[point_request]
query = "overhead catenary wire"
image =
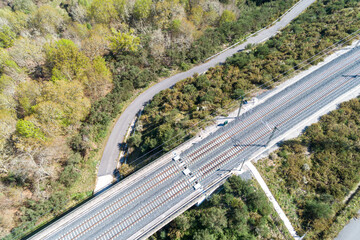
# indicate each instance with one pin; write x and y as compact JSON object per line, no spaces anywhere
{"x":330,"y":48}
{"x":265,"y":85}
{"x":208,"y":168}
{"x":204,"y":120}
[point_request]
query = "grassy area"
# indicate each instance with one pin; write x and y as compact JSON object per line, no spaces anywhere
{"x":310,"y":176}
{"x":276,"y":223}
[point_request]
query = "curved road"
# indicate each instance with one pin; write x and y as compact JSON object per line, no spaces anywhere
{"x":141,"y":203}
{"x":111,"y":153}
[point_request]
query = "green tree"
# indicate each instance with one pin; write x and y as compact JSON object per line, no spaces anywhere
{"x":175,"y":26}
{"x":204,"y":234}
{"x":70,"y":173}
{"x":317,"y":210}
{"x":103,"y":11}
{"x":262,"y":51}
{"x":27,"y":6}
{"x":47,"y":20}
{"x":238,"y":93}
{"x":125,"y":169}
{"x":227,"y":16}
{"x":17,"y":21}
{"x":60,"y":107}
{"x":74,"y":106}
{"x":166,"y":11}
{"x":120,"y":6}
{"x":214,"y":219}
{"x":7,"y":37}
{"x":134,"y":140}
{"x":48,"y":115}
{"x":27,"y":129}
{"x":197,"y":15}
{"x":182,"y":222}
{"x":142,"y":9}
{"x":238,"y":60}
{"x":26,"y":94}
{"x":99,"y":79}
{"x":121,"y":42}
{"x":65,"y":61}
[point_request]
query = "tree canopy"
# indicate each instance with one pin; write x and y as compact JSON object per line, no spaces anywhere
{"x":126,"y":41}
{"x":226,"y":216}
{"x":66,"y":61}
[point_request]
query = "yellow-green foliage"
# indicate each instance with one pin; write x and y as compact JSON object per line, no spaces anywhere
{"x":7,"y":65}
{"x":166,"y":12}
{"x":62,"y":104}
{"x":66,"y":61}
{"x":7,"y":126}
{"x":227,"y":16}
{"x":142,"y":9}
{"x":98,"y":80}
{"x":28,"y":129}
{"x":47,"y":20}
{"x":197,"y":15}
{"x":100,"y":68}
{"x":120,"y":6}
{"x":125,"y":41}
{"x":16,"y":20}
{"x":7,"y":37}
{"x":103,"y":11}
{"x":27,"y":94}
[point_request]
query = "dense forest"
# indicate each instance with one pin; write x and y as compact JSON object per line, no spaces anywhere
{"x":170,"y":117}
{"x":67,"y":68}
{"x":240,"y":210}
{"x":312,"y":176}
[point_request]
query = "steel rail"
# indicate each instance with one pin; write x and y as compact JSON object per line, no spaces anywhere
{"x":210,"y":147}
{"x":228,"y":137}
{"x":148,"y":212}
{"x":221,"y":162}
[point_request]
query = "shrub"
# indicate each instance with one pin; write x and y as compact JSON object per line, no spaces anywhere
{"x":27,"y":129}
{"x":7,"y":37}
{"x":316,"y":210}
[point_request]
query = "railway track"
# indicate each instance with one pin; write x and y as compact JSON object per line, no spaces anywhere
{"x":240,"y":126}
{"x":137,"y":204}
{"x":259,"y":136}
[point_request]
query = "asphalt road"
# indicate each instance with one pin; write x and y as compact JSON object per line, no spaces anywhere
{"x":351,"y":231}
{"x":133,"y":207}
{"x":111,"y":152}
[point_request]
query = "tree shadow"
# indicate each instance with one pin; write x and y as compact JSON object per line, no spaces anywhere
{"x":121,"y":146}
